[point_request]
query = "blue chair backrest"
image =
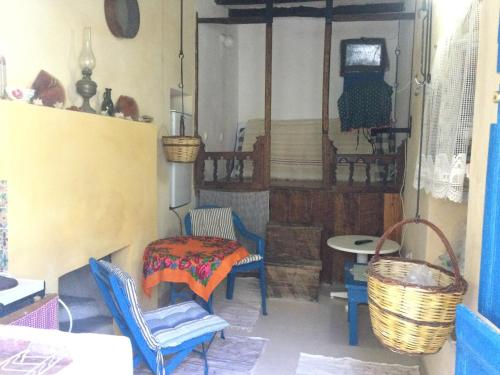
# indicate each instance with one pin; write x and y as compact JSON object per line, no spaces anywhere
{"x":117,"y":302}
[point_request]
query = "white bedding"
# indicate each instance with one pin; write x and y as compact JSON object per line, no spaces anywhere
{"x":55,"y":352}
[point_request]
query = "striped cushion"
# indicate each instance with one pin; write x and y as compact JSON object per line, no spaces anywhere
{"x":213,"y":222}
{"x":249,"y":259}
{"x":169,"y":326}
{"x":173,"y":325}
{"x":128,"y":286}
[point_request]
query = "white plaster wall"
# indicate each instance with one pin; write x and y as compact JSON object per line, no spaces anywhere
{"x":218,"y":80}
{"x":298,"y":65}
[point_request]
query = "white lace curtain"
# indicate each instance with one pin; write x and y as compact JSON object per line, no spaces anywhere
{"x":449,"y":107}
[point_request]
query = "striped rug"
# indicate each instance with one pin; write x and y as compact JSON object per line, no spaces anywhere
{"x":320,"y":365}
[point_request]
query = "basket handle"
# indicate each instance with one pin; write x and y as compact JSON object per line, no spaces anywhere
{"x":453,"y":258}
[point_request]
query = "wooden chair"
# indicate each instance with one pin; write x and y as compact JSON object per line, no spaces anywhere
{"x":254,"y":262}
{"x":173,"y":331}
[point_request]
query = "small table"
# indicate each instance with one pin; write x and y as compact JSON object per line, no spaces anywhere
{"x":347,"y":244}
{"x":200,"y":262}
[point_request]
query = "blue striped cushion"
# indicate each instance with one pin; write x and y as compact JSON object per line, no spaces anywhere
{"x":249,"y":259}
{"x":169,"y":326}
{"x":213,"y":222}
{"x":173,"y":325}
{"x":128,"y":286}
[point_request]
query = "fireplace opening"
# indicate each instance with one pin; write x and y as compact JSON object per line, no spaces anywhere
{"x":79,"y":291}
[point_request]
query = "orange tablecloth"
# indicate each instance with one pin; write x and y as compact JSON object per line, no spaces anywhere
{"x":200,"y":262}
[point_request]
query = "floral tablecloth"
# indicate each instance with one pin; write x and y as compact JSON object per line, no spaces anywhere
{"x":200,"y":262}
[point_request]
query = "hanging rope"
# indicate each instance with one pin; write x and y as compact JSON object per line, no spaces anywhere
{"x":182,"y":127}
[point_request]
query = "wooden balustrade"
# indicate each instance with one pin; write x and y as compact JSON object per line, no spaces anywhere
{"x":231,"y":170}
{"x":384,"y":171}
{"x":247,"y":170}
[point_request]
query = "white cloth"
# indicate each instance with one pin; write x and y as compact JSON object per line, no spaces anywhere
{"x":296,"y":148}
{"x":72,"y":353}
{"x":449,"y":106}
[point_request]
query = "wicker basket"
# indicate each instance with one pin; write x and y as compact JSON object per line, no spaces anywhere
{"x":409,"y":318}
{"x":181,"y":149}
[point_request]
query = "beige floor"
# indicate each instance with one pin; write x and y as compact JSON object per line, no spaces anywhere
{"x":294,"y":326}
{"x":315,"y":328}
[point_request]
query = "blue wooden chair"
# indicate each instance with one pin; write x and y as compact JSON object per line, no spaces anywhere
{"x":254,"y":262}
{"x":174,"y":331}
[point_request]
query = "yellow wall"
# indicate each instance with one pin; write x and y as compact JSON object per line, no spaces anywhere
{"x":47,"y":35}
{"x":448,"y":215}
{"x":79,"y":185}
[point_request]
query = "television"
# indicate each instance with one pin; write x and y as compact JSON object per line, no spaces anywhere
{"x":363,"y":55}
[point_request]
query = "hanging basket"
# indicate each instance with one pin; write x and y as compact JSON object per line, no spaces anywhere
{"x":180,"y":149}
{"x":409,"y":318}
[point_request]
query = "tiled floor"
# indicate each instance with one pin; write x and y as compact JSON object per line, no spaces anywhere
{"x":321,"y":328}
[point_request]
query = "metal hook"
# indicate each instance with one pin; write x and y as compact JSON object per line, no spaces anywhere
{"x":420,"y":82}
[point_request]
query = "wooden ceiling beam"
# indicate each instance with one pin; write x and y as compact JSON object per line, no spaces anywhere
{"x":233,"y":20}
{"x":303,"y":11}
{"x":259,"y":2}
{"x":394,"y":16}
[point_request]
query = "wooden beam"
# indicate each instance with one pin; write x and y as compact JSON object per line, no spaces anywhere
{"x":327,"y":53}
{"x":267,"y":104}
{"x":374,"y":17}
{"x":336,"y":18}
{"x":302,"y":11}
{"x":259,"y":2}
{"x":233,"y":20}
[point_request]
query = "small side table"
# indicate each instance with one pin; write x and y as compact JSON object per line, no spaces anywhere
{"x":347,"y":244}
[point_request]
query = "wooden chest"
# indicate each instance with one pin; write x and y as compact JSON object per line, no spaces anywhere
{"x":293,"y":280}
{"x":293,"y":242}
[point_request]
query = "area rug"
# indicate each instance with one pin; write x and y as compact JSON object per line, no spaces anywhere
{"x":235,"y":355}
{"x":319,"y":365}
{"x":243,"y":311}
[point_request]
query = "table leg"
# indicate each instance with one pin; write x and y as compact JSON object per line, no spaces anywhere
{"x":362,"y":258}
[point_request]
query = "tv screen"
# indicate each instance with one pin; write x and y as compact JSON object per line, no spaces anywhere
{"x":363,"y":55}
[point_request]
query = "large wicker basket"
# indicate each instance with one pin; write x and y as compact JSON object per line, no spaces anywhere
{"x":410,"y":318}
{"x":181,"y":149}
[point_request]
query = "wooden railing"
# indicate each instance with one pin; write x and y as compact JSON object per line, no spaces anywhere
{"x":231,"y":170}
{"x":246,"y":170}
{"x":384,"y":171}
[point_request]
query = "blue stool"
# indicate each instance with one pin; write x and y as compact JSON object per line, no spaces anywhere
{"x":356,"y":294}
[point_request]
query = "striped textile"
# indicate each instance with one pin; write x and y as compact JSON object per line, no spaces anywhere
{"x":169,"y":326}
{"x":249,"y":259}
{"x":173,"y":325}
{"x":128,"y":286}
{"x":213,"y":222}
